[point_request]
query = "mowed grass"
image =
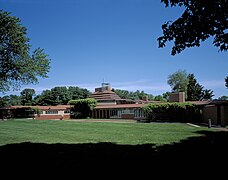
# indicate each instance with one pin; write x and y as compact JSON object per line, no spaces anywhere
{"x":73,"y":132}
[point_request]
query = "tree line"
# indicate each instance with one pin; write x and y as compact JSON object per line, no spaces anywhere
{"x":55,"y":96}
{"x":179,"y":81}
{"x":63,"y":95}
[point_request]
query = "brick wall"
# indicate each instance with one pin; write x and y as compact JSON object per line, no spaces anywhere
{"x":127,"y":116}
{"x":210,"y":112}
{"x":177,"y":97}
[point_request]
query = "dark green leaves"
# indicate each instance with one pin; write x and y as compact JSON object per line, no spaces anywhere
{"x":17,"y":66}
{"x":200,"y":20}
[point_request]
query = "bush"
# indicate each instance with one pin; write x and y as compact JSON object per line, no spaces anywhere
{"x":178,"y":112}
{"x":82,"y":107}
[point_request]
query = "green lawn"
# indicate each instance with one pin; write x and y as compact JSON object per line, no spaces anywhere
{"x":49,"y":131}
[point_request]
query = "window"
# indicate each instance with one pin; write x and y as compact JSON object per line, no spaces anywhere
{"x":52,"y":112}
{"x":67,"y":111}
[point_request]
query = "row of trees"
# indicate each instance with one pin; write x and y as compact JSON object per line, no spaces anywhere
{"x":137,"y":95}
{"x":179,"y":81}
{"x":62,"y":95}
{"x":55,"y":96}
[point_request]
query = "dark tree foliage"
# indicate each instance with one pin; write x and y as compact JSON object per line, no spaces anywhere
{"x":11,"y":100}
{"x":137,"y":95}
{"x":223,"y":98}
{"x":196,"y":92}
{"x":194,"y":89}
{"x":200,"y":20}
{"x":17,"y":65}
{"x":27,"y":97}
{"x":226,"y":81}
{"x":207,"y":94}
{"x":61,"y":95}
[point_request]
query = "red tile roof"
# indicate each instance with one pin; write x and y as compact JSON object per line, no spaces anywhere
{"x":119,"y":106}
{"x":58,"y":107}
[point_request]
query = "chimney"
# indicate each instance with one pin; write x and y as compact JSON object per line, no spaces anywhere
{"x":145,"y":98}
{"x":177,"y":97}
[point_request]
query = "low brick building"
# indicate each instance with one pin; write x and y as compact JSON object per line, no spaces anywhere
{"x":217,"y":112}
{"x":43,"y":112}
{"x":110,"y":105}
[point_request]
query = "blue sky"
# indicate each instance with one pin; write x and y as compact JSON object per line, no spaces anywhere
{"x":115,"y":40}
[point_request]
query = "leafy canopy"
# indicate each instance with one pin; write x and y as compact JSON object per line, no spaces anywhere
{"x":17,"y":66}
{"x":200,"y":20}
{"x":178,"y":81}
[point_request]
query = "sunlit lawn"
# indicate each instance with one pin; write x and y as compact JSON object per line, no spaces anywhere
{"x":50,"y":131}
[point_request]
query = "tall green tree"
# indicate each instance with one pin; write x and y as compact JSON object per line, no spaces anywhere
{"x":46,"y":98}
{"x":178,"y":81}
{"x":60,"y":95}
{"x":207,"y":94}
{"x":5,"y":101}
{"x":200,"y":20}
{"x":78,"y":93}
{"x":15,"y":100}
{"x":194,"y":89}
{"x":27,"y":96}
{"x":18,"y":66}
{"x":196,"y":92}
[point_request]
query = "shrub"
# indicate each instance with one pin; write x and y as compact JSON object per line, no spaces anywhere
{"x":180,"y":112}
{"x":82,"y":107}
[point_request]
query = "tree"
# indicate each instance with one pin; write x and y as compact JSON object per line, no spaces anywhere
{"x":61,"y":95}
{"x":178,"y":81}
{"x":207,"y":94}
{"x":166,"y":96}
{"x":78,"y":93}
{"x":226,"y":81}
{"x":11,"y":100}
{"x":45,"y":99}
{"x":200,"y":20}
{"x":17,"y":65}
{"x":27,"y":97}
{"x":124,"y":94}
{"x":223,"y":98}
{"x":4,"y":101}
{"x":195,"y":91}
{"x":15,"y":100}
{"x":159,"y":98}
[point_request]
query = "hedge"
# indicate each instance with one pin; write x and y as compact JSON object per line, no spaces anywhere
{"x":172,"y":112}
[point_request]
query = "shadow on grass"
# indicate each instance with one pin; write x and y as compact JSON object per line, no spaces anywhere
{"x":193,"y":155}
